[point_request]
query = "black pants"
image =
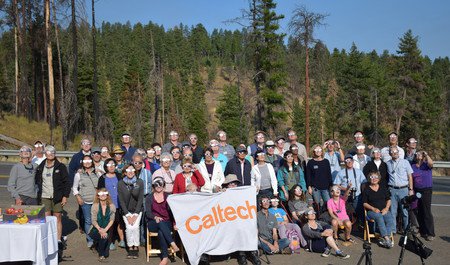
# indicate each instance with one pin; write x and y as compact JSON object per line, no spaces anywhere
{"x":425,"y":217}
{"x":102,"y":244}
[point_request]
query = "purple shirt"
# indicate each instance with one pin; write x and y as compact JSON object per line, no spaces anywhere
{"x":161,"y":209}
{"x":111,"y":186}
{"x":422,"y":176}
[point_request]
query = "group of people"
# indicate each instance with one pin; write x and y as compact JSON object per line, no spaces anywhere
{"x":302,"y":201}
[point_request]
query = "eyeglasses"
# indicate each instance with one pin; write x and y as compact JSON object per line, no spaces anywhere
{"x":105,"y":150}
{"x":87,"y":161}
{"x":393,"y":136}
{"x":289,"y":156}
{"x":165,"y":160}
{"x":348,"y":160}
{"x":213,"y":145}
{"x":125,"y":136}
{"x":318,"y":150}
{"x":118,"y":154}
{"x":208,"y":154}
{"x":173,"y":134}
{"x":295,"y":148}
{"x":130,"y":170}
{"x":38,"y":145}
{"x":138,"y":163}
{"x":187,"y":166}
{"x":110,"y":165}
{"x":261,"y":154}
{"x":265,"y":200}
{"x":373,"y":177}
{"x":358,"y":135}
{"x":175,"y":152}
{"x":291,"y":134}
{"x":157,"y":148}
{"x":102,"y":193}
{"x":150,"y":151}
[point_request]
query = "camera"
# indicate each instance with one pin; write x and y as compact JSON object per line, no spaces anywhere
{"x":406,"y":201}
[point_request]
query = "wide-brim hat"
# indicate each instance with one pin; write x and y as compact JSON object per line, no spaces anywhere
{"x":230,"y":178}
{"x":117,"y":150}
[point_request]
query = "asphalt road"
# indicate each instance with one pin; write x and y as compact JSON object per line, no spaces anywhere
{"x":80,"y":254}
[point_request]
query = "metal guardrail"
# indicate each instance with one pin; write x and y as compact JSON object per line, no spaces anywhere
{"x":13,"y":153}
{"x":441,"y":164}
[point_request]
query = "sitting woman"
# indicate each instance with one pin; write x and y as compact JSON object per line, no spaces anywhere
{"x":377,"y":201}
{"x":189,"y":175}
{"x":319,"y":236}
{"x":159,"y":218}
{"x":285,"y":228}
{"x":103,"y":214}
{"x":297,"y":203}
{"x":338,"y":213}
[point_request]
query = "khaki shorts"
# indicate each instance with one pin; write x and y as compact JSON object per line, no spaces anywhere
{"x":50,"y":206}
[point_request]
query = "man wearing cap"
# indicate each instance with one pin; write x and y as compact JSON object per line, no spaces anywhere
{"x":38,"y":153}
{"x":360,"y":158}
{"x":279,"y":149}
{"x":358,"y":135}
{"x":98,"y":162}
{"x":53,"y":185}
{"x":393,"y":142}
{"x":240,"y":166}
{"x":400,"y":184}
{"x":126,"y":146}
{"x":173,"y":141}
{"x":75,"y":162}
{"x":224,"y":147}
{"x":355,"y":176}
{"x":21,"y":183}
{"x":196,"y":149}
{"x":260,"y":140}
{"x":376,"y":164}
{"x":271,"y":157}
{"x":292,"y":137}
{"x":411,"y":149}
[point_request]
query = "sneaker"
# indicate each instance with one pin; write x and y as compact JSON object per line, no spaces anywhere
{"x":112,"y":247}
{"x":286,"y":251}
{"x":122,"y":244}
{"x":102,"y":259}
{"x":136,"y":254}
{"x":389,"y":243}
{"x":429,"y":238}
{"x":326,"y":253}
{"x":90,"y":244}
{"x":342,"y":255}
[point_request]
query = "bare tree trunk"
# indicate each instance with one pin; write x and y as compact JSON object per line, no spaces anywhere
{"x":44,"y":91}
{"x":94,"y":85}
{"x":307,"y":98}
{"x":51,"y":84}
{"x":74,"y":92}
{"x":16,"y":68}
{"x":163,"y":118}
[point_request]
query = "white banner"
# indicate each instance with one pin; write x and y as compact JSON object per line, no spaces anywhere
{"x":217,"y":223}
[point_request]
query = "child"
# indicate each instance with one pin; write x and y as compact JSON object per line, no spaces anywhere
{"x":338,"y":213}
{"x":284,"y":227}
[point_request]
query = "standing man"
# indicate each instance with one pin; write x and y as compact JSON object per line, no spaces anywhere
{"x":400,"y":184}
{"x":146,"y":176}
{"x":393,"y":142}
{"x":196,"y":149}
{"x":260,"y":139}
{"x":21,"y":179}
{"x":98,"y":162}
{"x":271,"y":157}
{"x":53,"y":185}
{"x":224,"y":147}
{"x":359,"y":139}
{"x":240,"y":166}
{"x":75,"y":162}
{"x":411,"y":149}
{"x":126,"y":146}
{"x":38,"y":153}
{"x":361,"y":158}
{"x":355,"y":177}
{"x":173,"y":141}
{"x":292,"y":137}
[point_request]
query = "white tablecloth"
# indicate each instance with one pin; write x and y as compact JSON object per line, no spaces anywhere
{"x":35,"y":242}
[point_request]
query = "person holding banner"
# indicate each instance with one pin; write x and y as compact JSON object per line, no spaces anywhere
{"x":268,"y":231}
{"x":131,"y":198}
{"x":189,"y":175}
{"x":160,"y":218}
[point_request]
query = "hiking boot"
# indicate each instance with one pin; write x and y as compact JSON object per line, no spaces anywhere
{"x":122,"y":244}
{"x":342,"y":255}
{"x":326,"y":253}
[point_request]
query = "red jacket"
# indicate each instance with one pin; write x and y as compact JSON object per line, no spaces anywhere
{"x":179,"y":185}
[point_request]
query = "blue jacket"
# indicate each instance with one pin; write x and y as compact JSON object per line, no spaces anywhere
{"x":129,"y":153}
{"x":283,"y":180}
{"x":74,"y":165}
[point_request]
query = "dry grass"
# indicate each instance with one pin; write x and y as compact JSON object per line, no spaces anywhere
{"x":29,"y":132}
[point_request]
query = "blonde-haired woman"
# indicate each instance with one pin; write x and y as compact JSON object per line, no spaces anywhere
{"x":318,"y":176}
{"x":103,"y":214}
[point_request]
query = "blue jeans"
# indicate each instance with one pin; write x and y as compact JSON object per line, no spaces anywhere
{"x":396,"y":196}
{"x":86,"y":208}
{"x":324,"y":194}
{"x":282,"y":244}
{"x":164,"y":229}
{"x":383,"y":222}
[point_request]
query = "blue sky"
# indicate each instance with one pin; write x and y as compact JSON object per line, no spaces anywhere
{"x":370,"y":24}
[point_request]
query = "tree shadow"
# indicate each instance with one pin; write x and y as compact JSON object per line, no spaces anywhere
{"x":445,"y":238}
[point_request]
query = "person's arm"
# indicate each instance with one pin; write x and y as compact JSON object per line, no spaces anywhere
{"x":429,"y":160}
{"x":330,"y":209}
{"x":308,"y":232}
{"x":386,"y":209}
{"x":148,"y":207}
{"x":94,"y":212}
{"x":140,"y":198}
{"x":121,"y":189}
{"x":76,"y":181}
{"x":369,"y":207}
{"x":254,"y":178}
{"x":12,"y":185}
{"x":65,"y":183}
{"x":176,"y":185}
{"x":218,"y":178}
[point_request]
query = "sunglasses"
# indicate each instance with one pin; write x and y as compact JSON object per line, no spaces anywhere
{"x":291,"y":134}
{"x":295,"y":148}
{"x":358,"y":135}
{"x":104,"y":150}
{"x":110,"y":165}
{"x":241,"y":152}
{"x":188,"y":155}
{"x":265,"y":200}
{"x":130,"y":170}
{"x":165,"y":160}
{"x":187,"y":166}
{"x":213,"y":145}
{"x":360,"y":147}
{"x":138,"y":163}
{"x":208,"y":154}
{"x":373,"y":177}
{"x":87,"y":161}
{"x":50,"y":153}
{"x":101,"y":193}
{"x":175,"y":152}
{"x":38,"y":145}
{"x":157,"y":148}
{"x":261,"y":154}
{"x":317,"y":150}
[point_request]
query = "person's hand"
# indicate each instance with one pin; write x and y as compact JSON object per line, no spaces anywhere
{"x":310,"y":190}
{"x":286,"y":195}
{"x":376,"y":210}
{"x":384,"y":211}
{"x":274,"y":248}
{"x":103,"y":234}
{"x":338,"y":144}
{"x":370,"y":146}
{"x":79,"y":200}
{"x":157,"y":219}
{"x":411,"y":192}
{"x":175,"y":228}
{"x":130,"y":220}
{"x":327,"y":233}
{"x":64,"y":201}
{"x":18,"y":201}
{"x":349,"y":185}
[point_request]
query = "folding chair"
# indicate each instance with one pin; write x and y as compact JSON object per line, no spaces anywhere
{"x":374,"y":234}
{"x":156,"y":251}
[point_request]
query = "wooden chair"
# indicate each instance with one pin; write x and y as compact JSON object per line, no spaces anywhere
{"x":367,"y":234}
{"x":156,"y":251}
